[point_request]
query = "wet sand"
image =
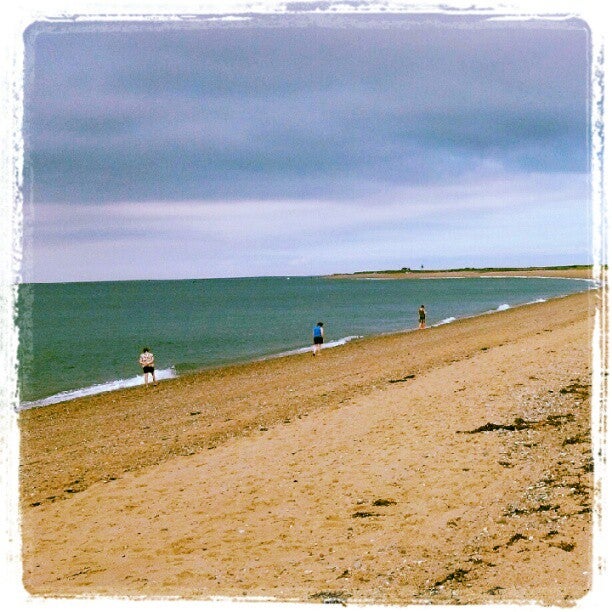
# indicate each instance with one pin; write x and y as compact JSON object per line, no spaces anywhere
{"x":448,"y":465}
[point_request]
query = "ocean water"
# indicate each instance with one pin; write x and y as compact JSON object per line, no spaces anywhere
{"x":83,"y":338}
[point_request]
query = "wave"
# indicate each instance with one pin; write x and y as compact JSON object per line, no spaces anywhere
{"x":306,"y":349}
{"x":445,"y":321}
{"x":341,"y":341}
{"x":500,"y":308}
{"x":503,"y":307}
{"x":112,"y":385}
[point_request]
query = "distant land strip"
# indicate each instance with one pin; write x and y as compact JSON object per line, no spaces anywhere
{"x":573,"y":271}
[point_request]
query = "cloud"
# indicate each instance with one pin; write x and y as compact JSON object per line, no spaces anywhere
{"x":532,"y":216}
{"x":294,"y":111}
{"x":286,"y":145}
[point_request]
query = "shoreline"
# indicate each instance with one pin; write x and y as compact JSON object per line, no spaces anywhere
{"x":170,"y":372}
{"x":446,"y":465}
{"x":135,"y":398}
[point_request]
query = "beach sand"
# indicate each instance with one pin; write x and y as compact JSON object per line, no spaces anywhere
{"x":449,"y":465}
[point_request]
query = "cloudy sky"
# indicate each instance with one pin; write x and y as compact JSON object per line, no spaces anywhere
{"x":288,"y":145}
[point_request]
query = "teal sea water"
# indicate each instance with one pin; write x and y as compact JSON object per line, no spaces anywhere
{"x":83,"y":338}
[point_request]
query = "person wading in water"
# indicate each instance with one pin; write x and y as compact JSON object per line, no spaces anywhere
{"x":317,"y":338}
{"x":422,"y":317}
{"x":147,"y":361}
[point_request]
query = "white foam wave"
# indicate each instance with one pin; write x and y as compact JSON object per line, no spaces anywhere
{"x":306,"y":349}
{"x":96,"y":389}
{"x":503,"y":307}
{"x":340,"y":342}
{"x":445,"y":321}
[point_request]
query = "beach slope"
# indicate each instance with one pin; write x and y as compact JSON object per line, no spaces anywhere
{"x":449,"y":465}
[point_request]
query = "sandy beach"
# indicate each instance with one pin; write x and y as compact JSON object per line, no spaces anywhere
{"x":448,"y":465}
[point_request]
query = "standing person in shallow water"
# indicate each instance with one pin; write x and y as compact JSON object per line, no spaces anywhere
{"x":422,"y":317}
{"x":147,"y":361}
{"x":317,"y":337}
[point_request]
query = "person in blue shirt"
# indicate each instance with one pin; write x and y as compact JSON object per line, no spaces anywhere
{"x":317,"y":336}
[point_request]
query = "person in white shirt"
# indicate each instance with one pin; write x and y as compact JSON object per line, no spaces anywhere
{"x":147,"y":361}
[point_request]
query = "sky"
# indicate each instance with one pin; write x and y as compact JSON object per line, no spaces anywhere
{"x":301,"y":145}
